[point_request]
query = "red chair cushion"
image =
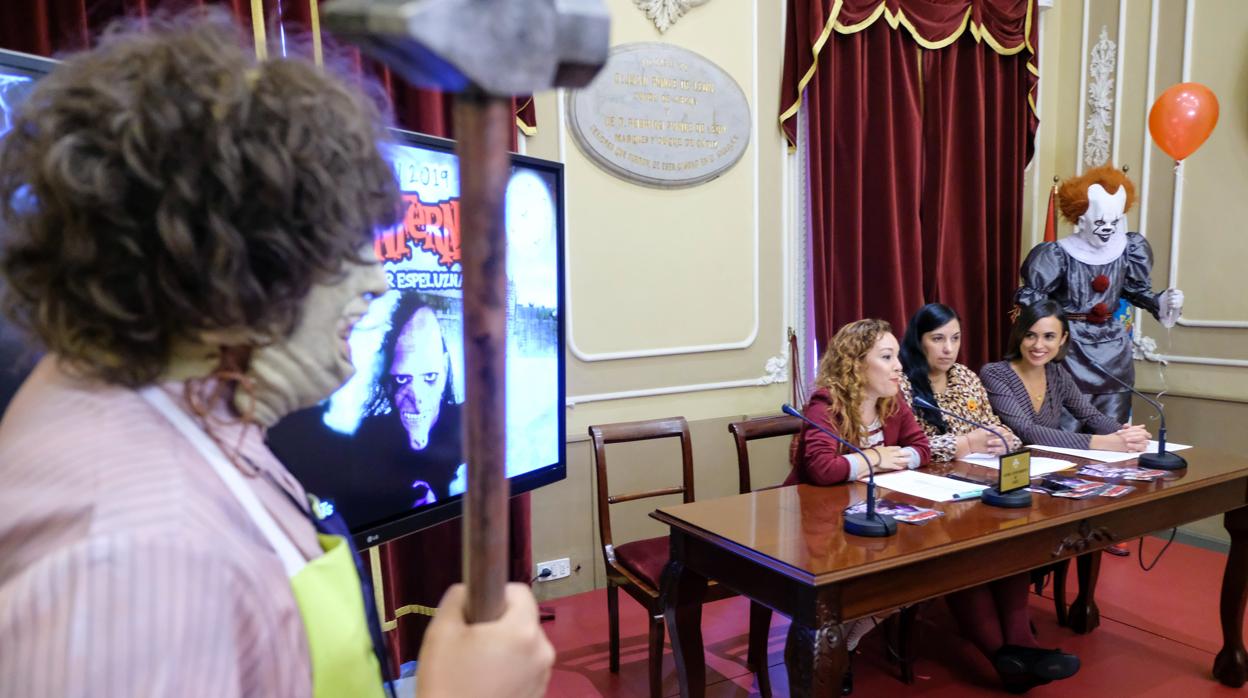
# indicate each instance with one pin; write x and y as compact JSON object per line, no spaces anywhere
{"x":645,"y":558}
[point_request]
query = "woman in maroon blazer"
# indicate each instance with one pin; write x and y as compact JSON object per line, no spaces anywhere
{"x":856,"y":397}
{"x":857,"y":385}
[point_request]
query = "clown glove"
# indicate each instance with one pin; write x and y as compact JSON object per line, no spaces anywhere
{"x":1171,"y":307}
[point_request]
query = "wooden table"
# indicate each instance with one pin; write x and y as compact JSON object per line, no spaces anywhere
{"x":785,"y":548}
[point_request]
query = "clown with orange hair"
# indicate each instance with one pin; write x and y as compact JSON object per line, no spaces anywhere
{"x":1088,"y":272}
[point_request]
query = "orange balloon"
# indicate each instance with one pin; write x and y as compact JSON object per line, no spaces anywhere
{"x":1182,"y":118}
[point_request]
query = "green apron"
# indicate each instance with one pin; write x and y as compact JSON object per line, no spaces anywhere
{"x":326,"y":589}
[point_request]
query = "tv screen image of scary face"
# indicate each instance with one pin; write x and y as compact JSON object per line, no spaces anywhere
{"x":389,"y":443}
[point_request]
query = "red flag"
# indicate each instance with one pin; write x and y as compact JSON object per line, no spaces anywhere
{"x":1050,"y":218}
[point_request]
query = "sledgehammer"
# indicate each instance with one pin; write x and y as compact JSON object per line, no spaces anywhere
{"x":488,"y":51}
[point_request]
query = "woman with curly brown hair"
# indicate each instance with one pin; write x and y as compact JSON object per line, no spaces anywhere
{"x":187,"y":231}
{"x":856,"y":397}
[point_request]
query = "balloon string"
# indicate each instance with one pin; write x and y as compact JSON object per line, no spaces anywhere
{"x":1161,"y":370}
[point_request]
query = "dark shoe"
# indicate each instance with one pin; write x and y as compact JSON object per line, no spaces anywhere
{"x":1012,"y":669}
{"x":847,"y":681}
{"x":1119,"y":550}
{"x":1023,"y":668}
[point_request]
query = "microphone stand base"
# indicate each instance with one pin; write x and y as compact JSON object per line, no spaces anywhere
{"x":879,"y":526}
{"x":1014,"y":499}
{"x":1162,"y":461}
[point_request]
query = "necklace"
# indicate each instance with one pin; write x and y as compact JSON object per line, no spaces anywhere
{"x":1035,"y":389}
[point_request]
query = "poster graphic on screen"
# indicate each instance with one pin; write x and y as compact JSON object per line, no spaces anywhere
{"x":15,"y":359}
{"x":389,"y":440}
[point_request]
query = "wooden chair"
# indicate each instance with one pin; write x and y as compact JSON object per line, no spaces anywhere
{"x":900,"y":626}
{"x":743,"y":433}
{"x":748,"y":430}
{"x":637,"y":567}
{"x":1059,"y":570}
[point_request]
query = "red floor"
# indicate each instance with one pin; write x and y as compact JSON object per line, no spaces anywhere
{"x":1158,"y":635}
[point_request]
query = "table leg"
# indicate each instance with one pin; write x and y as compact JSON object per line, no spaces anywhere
{"x":1060,"y":571}
{"x":816,"y":657}
{"x":1083,"y":615}
{"x":1231,"y":665}
{"x":682,"y":595}
{"x":760,"y":626}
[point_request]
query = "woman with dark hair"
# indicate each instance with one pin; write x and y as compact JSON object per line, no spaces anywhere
{"x":929,"y":355}
{"x":1030,"y":389}
{"x":187,"y":231}
{"x":992,"y":616}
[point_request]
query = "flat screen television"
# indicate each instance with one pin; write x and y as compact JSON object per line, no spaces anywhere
{"x":18,"y":72}
{"x":385,"y":450}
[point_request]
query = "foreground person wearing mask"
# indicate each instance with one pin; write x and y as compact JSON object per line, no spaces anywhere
{"x":188,"y":234}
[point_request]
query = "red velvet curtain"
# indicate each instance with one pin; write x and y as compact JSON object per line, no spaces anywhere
{"x":919,"y":129}
{"x":417,"y":569}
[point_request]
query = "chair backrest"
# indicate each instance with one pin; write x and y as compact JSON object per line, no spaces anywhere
{"x":758,"y":428}
{"x":622,"y":432}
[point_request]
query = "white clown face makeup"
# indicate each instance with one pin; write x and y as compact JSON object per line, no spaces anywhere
{"x":1105,"y":218}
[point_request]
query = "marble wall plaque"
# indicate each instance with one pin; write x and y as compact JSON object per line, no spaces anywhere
{"x":662,"y":116}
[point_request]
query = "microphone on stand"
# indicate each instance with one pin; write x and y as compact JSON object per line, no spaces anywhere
{"x":1161,"y":460}
{"x":868,"y":523}
{"x":1013,"y":499}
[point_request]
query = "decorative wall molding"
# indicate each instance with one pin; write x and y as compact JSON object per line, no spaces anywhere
{"x":1145,"y":349}
{"x":1083,"y":87}
{"x":1204,"y":361}
{"x":786,"y":279}
{"x":1176,"y":218}
{"x":1102,"y":62}
{"x":1146,"y":153}
{"x":665,"y":13}
{"x":776,"y":368}
{"x":1176,"y":214}
{"x":661,"y":116}
{"x":799,"y":207}
{"x":574,"y":400}
{"x":1119,"y":67}
{"x":752,"y":335}
{"x":1039,"y":196}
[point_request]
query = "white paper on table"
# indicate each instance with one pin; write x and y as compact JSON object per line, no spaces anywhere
{"x":1039,"y":464}
{"x":1109,"y":456}
{"x":933,"y":487}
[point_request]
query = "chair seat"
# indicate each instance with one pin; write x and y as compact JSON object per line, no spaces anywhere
{"x":645,"y":558}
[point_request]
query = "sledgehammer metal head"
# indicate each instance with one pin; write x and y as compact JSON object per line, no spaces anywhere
{"x":499,"y":47}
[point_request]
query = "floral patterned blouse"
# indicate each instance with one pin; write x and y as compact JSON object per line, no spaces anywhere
{"x":964,"y":396}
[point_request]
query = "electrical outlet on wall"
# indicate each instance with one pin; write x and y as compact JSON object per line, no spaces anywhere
{"x":558,"y":569}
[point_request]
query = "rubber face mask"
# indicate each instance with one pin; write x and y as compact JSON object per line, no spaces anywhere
{"x":315,"y":360}
{"x":1102,"y":228}
{"x":417,"y":376}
